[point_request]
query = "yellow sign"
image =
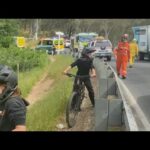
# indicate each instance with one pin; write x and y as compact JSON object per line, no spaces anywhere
{"x":20,"y":41}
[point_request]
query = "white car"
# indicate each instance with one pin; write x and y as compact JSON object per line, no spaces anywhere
{"x":67,"y":43}
{"x":103,"y":48}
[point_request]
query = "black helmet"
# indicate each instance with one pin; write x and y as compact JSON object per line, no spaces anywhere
{"x":87,"y":50}
{"x":8,"y":77}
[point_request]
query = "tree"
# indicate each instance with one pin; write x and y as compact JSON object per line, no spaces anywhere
{"x":109,"y":28}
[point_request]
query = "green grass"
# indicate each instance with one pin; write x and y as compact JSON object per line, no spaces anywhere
{"x":43,"y":115}
{"x":61,"y":62}
{"x":29,"y":78}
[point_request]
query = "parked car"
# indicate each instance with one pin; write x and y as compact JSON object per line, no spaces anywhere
{"x":46,"y":45}
{"x":67,"y":43}
{"x":103,"y":48}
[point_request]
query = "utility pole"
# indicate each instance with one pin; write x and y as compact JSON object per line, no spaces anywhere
{"x":37,"y":28}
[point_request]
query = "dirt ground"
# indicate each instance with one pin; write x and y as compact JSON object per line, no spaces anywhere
{"x":85,"y":119}
{"x":41,"y":88}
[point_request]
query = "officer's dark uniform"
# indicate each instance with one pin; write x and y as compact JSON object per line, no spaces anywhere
{"x":12,"y":113}
{"x":12,"y":108}
{"x":84,"y":65}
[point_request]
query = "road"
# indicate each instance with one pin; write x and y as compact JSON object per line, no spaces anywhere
{"x":138,"y":83}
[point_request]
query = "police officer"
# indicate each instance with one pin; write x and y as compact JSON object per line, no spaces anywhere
{"x":85,"y":67}
{"x":12,"y":105}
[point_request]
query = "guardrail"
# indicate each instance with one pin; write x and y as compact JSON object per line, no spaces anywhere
{"x":111,"y":109}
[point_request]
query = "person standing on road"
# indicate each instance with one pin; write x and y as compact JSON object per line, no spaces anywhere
{"x":133,"y":52}
{"x":122,"y":53}
{"x":12,"y":105}
{"x":54,"y":50}
{"x":85,"y":67}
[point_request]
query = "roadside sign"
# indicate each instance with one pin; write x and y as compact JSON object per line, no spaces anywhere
{"x":20,"y":41}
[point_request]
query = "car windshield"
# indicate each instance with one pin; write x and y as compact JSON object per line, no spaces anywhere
{"x":103,"y":44}
{"x":47,"y":42}
{"x":85,"y":38}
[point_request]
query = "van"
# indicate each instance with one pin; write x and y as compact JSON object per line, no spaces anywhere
{"x":46,"y":45}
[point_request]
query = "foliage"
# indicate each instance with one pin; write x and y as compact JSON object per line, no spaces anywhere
{"x":25,"y":58}
{"x":109,"y":28}
{"x":8,"y":28}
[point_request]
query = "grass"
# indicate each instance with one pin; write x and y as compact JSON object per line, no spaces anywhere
{"x":61,"y":62}
{"x":28,"y":79}
{"x":43,"y":115}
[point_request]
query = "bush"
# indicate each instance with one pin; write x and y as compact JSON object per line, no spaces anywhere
{"x":6,"y":41}
{"x":25,"y":58}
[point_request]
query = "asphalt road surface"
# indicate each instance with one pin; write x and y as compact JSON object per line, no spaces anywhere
{"x":138,"y":83}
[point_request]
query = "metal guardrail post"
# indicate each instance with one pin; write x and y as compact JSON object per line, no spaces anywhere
{"x":114,"y":101}
{"x":110,"y":110}
{"x":101,"y":104}
{"x":127,"y":116}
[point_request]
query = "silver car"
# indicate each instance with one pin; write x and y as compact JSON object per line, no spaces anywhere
{"x":103,"y":48}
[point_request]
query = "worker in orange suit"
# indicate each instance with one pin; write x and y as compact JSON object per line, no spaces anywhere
{"x":122,"y":54}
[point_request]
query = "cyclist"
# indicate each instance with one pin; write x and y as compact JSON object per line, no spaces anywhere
{"x":85,"y":68}
{"x":12,"y":105}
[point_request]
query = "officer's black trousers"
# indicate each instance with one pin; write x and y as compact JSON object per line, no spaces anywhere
{"x":89,"y":87}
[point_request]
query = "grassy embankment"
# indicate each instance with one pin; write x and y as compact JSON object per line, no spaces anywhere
{"x":43,"y":115}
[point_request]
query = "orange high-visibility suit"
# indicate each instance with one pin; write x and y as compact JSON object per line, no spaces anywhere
{"x":122,"y":54}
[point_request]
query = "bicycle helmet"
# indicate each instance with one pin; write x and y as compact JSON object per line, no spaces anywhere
{"x":87,"y":50}
{"x":9,"y":78}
